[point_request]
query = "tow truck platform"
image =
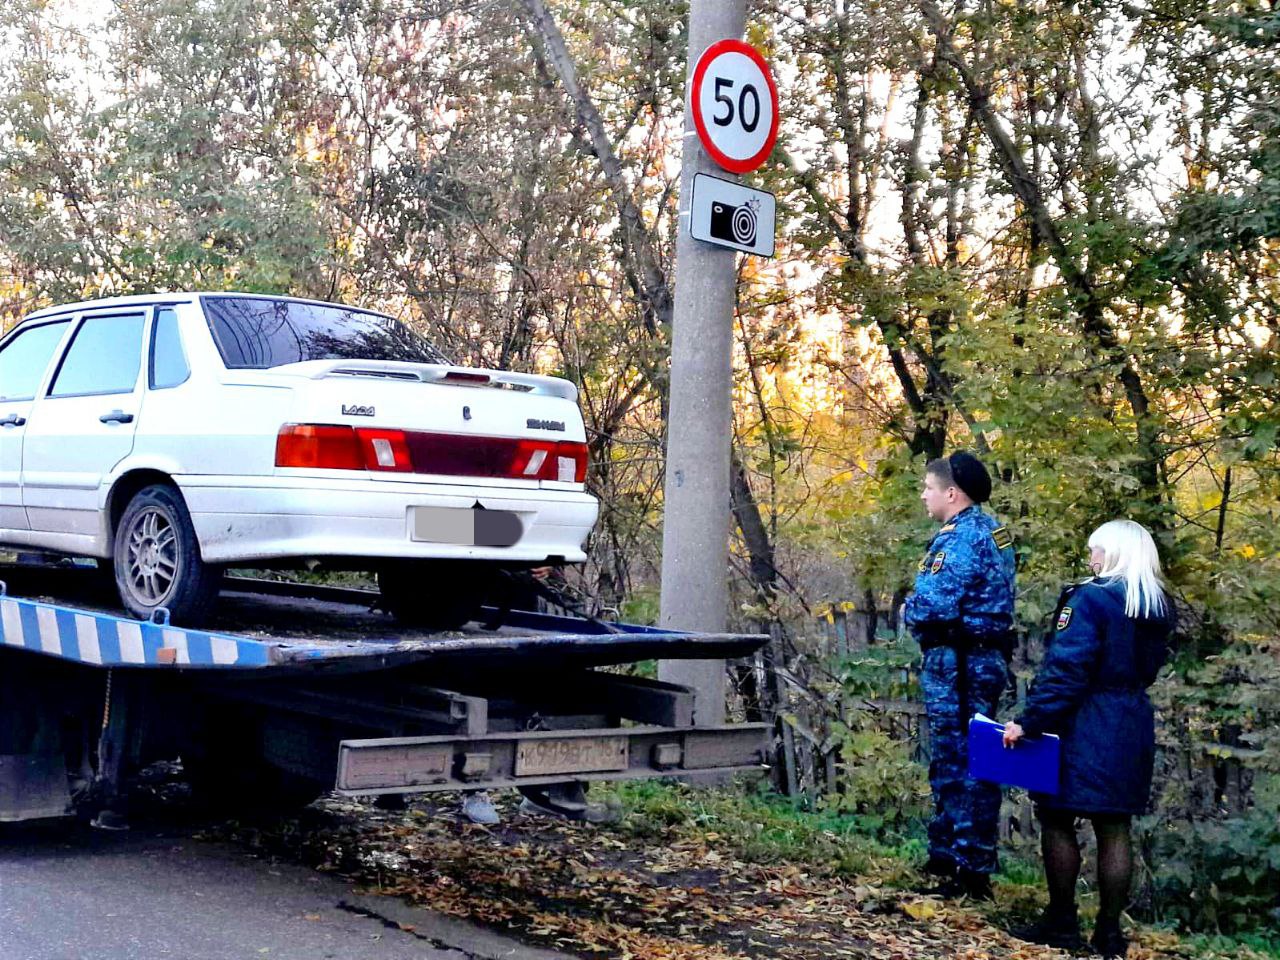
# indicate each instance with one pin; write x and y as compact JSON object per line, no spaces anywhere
{"x":296,"y":689}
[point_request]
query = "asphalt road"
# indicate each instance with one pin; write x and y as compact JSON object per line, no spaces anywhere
{"x":68,"y":892}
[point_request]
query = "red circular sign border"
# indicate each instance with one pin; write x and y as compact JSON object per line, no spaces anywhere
{"x":700,"y":72}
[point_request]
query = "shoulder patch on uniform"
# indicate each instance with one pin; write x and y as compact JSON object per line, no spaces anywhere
{"x":1064,"y":618}
{"x":947,"y":528}
{"x":1002,"y":537}
{"x":937,"y":561}
{"x":923,"y":565}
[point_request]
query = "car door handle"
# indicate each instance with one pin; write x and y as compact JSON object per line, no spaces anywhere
{"x":117,"y":416}
{"x":13,"y":420}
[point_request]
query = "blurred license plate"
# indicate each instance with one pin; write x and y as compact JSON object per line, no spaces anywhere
{"x":570,"y":755}
{"x":470,"y":528}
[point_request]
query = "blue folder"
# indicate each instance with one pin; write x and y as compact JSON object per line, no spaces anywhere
{"x":1031,"y":763}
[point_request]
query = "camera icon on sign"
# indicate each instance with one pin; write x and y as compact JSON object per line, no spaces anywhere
{"x":736,"y":224}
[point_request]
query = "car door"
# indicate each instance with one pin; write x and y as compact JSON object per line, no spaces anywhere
{"x":24,"y":363}
{"x":83,"y":426}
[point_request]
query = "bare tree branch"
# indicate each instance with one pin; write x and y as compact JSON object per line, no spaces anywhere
{"x":1090,"y":303}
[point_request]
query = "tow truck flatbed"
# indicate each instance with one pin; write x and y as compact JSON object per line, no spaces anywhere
{"x":296,"y":685}
{"x":277,"y":635}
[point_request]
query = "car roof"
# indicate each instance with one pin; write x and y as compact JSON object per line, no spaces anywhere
{"x":150,"y":299}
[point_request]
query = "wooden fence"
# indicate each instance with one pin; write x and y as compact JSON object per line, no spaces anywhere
{"x":795,"y":682}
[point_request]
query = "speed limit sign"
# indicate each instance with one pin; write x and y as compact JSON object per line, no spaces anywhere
{"x":735,"y":105}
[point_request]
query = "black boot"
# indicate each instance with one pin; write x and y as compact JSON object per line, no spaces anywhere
{"x":940,"y":866}
{"x":936,"y":866}
{"x":1056,"y":928}
{"x":977,"y":886}
{"x":966,"y":883}
{"x":1108,"y":939}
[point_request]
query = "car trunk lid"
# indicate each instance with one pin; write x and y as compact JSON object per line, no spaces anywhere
{"x":415,"y":420}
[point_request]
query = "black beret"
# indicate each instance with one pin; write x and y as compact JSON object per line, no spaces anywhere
{"x":970,"y":476}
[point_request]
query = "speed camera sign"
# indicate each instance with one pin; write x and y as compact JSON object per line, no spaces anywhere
{"x":735,"y":105}
{"x":731,"y":215}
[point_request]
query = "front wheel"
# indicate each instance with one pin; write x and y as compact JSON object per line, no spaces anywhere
{"x":157,"y":559}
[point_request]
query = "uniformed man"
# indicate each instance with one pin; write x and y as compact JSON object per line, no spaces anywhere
{"x":961,"y":612}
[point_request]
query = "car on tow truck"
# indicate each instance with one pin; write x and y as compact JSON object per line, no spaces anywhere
{"x":173,"y":436}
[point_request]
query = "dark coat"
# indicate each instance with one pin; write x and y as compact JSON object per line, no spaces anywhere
{"x":1091,"y":691}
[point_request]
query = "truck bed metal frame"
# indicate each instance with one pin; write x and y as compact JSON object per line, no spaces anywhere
{"x":532,"y":701}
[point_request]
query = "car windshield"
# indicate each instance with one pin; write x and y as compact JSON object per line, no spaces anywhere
{"x":258,"y":332}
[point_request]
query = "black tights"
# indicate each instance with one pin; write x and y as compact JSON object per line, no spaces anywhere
{"x":1061,"y":850}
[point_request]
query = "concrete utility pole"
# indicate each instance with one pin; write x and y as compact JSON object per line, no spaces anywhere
{"x":695,"y":533}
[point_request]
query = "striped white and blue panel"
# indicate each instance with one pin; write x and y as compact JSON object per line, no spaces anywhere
{"x":108,"y":641}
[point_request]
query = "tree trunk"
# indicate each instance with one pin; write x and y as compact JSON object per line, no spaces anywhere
{"x":1090,"y":304}
{"x":641,"y":263}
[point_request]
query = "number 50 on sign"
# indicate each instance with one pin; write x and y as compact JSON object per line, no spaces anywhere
{"x":735,"y":105}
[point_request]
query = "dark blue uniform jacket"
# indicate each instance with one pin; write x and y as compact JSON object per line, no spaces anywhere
{"x":965,"y":583}
{"x":1091,"y":690}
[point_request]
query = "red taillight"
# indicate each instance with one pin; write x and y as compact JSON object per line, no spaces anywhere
{"x":385,"y":450}
{"x":318,"y":446}
{"x":335,"y":447}
{"x":531,"y":459}
{"x":564,"y":461}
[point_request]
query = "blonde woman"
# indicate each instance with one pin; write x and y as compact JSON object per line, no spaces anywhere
{"x":1109,"y":639}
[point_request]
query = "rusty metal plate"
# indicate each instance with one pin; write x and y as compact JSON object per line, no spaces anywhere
{"x":370,"y":769}
{"x":540,"y":758}
{"x":741,"y":745}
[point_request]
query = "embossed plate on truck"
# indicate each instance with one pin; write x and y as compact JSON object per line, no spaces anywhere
{"x":540,"y":758}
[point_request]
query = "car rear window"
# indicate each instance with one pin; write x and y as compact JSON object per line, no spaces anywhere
{"x":258,"y":332}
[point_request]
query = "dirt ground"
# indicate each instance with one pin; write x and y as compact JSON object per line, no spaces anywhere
{"x":602,"y":891}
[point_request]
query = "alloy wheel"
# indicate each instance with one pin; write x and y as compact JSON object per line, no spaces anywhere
{"x":152,"y":558}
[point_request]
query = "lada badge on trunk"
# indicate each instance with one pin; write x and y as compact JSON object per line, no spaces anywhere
{"x":535,"y":424}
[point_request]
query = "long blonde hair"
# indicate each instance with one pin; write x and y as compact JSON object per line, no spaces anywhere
{"x":1129,"y":554}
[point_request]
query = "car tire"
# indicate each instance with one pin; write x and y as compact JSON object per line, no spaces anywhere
{"x":431,"y":595}
{"x":157,"y":559}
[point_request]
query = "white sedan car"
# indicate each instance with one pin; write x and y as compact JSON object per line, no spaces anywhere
{"x":174,"y":435}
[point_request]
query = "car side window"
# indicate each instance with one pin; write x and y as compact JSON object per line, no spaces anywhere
{"x":169,"y":366}
{"x":25,"y":358}
{"x":104,"y":357}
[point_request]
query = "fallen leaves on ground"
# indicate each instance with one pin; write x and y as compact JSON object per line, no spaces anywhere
{"x":597,"y":891}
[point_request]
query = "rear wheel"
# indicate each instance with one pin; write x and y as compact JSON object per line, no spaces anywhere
{"x":226,"y":785}
{"x":436,"y":595}
{"x":157,"y":559}
{"x":224,"y":761}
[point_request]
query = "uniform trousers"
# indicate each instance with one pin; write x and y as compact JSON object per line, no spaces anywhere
{"x":966,"y":811}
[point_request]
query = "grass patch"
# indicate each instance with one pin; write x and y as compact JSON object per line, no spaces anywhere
{"x":1212,"y":947}
{"x":761,"y":827}
{"x":1016,"y":871}
{"x":753,"y":825}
